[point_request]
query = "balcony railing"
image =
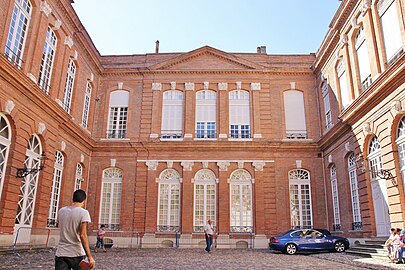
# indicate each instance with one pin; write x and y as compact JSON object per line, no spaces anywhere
{"x":395,"y":57}
{"x":171,"y":134}
{"x":110,"y":227}
{"x":205,"y":135}
{"x":14,"y":58}
{"x":44,"y":86}
{"x":51,"y":222}
{"x":302,"y":227}
{"x":116,"y":134}
{"x":240,"y":135}
{"x":168,"y":228}
{"x":337,"y":227}
{"x":357,"y":226}
{"x":201,"y":228}
{"x":366,"y":83}
{"x":297,"y":134}
{"x":241,"y":229}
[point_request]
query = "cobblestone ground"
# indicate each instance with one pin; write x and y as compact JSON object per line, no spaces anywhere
{"x":198,"y":259}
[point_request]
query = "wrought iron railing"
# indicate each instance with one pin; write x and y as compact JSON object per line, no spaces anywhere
{"x":205,"y":135}
{"x":13,"y":57}
{"x":241,"y":229}
{"x":168,"y":228}
{"x":116,"y":134}
{"x":297,"y":134}
{"x":366,"y":83}
{"x":52,"y":223}
{"x":337,"y":227}
{"x":110,"y":227}
{"x":240,"y":135}
{"x":171,"y":134}
{"x":357,"y":226}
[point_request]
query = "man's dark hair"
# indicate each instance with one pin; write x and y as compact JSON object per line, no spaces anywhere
{"x":79,"y":196}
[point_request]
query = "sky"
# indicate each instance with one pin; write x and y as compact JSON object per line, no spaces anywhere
{"x":123,"y":27}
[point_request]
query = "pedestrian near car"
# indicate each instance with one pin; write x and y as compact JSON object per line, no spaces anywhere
{"x":100,"y":239}
{"x":388,"y":243}
{"x":401,"y":249}
{"x":395,"y":245}
{"x":73,"y":244}
{"x":208,"y":230}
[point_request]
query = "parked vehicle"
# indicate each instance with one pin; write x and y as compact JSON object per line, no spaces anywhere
{"x":306,"y":240}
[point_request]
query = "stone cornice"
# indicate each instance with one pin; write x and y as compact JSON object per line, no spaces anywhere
{"x":333,"y":135}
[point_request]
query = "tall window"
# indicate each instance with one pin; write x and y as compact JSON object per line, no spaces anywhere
{"x":295,"y":123}
{"x":401,"y":147}
{"x":48,"y":56}
{"x":239,"y":114}
{"x":204,"y":199}
{"x":206,"y":113}
{"x":344,"y":90}
{"x":18,"y":31}
{"x":28,"y":188}
{"x":169,"y":201}
{"x":335,"y":199}
{"x":86,"y":106}
{"x":79,"y":176}
{"x":241,"y":201}
{"x":387,"y":10}
{"x":118,"y":114}
{"x":57,"y":180}
{"x":5,"y":141}
{"x":354,"y":192}
{"x":172,"y":115}
{"x":326,"y":104}
{"x":362,"y":59}
{"x":300,"y":199}
{"x":70,"y":80}
{"x":111,"y":193}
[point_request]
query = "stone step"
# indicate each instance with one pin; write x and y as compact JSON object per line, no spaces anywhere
{"x":376,"y":241}
{"x":371,"y":245}
{"x":370,"y":250}
{"x":367,"y":254}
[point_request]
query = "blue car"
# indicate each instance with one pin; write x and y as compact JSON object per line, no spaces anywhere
{"x":306,"y":240}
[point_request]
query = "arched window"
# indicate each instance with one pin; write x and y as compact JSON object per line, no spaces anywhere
{"x":344,"y":90}
{"x":70,"y":80}
{"x":300,"y":199}
{"x":172,"y":115}
{"x":326,"y":104}
{"x":387,"y":10}
{"x":401,"y":147}
{"x":110,"y":206}
{"x":241,"y":201}
{"x":86,"y":106}
{"x":5,"y":141}
{"x":335,"y":199}
{"x":79,"y":176}
{"x":169,"y":201}
{"x":56,"y":184}
{"x":118,"y":114}
{"x":354,"y":192}
{"x":18,"y":31}
{"x":204,"y":199}
{"x":362,"y":59}
{"x":28,"y":188}
{"x":48,"y":56}
{"x":206,"y":114}
{"x":295,"y":120}
{"x":379,"y":189}
{"x":239,"y":114}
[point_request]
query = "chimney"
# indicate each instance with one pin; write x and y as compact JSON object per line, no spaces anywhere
{"x":258,"y":49}
{"x":261,"y":49}
{"x":157,"y":46}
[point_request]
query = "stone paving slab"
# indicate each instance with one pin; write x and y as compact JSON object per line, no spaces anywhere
{"x":199,"y":259}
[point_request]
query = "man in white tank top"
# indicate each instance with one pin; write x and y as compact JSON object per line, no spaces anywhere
{"x":208,"y":235}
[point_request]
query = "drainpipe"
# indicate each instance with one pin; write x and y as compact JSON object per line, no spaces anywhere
{"x":324,"y":188}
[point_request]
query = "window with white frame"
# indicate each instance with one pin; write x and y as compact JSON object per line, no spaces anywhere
{"x":5,"y":141}
{"x":374,"y":158}
{"x":56,"y":185}
{"x":294,"y":108}
{"x":335,"y":199}
{"x":17,"y":33}
{"x":387,"y":10}
{"x":79,"y":176}
{"x":400,"y":141}
{"x":362,"y":59}
{"x":300,"y":199}
{"x":241,"y":202}
{"x":111,"y":193}
{"x":344,"y":90}
{"x":86,"y":106}
{"x":354,"y":192}
{"x":70,"y":80}
{"x":118,"y":114}
{"x":172,"y":115}
{"x":239,"y":114}
{"x":28,"y":187}
{"x":206,"y":113}
{"x":169,"y":201}
{"x":204,"y":199}
{"x":326,"y":104}
{"x":48,"y":56}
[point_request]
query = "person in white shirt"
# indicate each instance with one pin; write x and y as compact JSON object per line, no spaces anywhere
{"x":208,"y":230}
{"x":73,"y":244}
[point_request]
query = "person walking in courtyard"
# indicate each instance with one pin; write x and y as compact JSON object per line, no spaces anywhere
{"x":73,"y":244}
{"x":208,"y":230}
{"x":100,"y":238}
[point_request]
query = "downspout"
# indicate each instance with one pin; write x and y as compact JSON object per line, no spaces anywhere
{"x":324,"y":188}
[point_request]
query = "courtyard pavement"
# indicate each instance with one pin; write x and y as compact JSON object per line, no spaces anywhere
{"x":199,"y":259}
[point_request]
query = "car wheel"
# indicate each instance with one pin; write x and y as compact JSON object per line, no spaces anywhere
{"x":340,"y":246}
{"x":291,"y":249}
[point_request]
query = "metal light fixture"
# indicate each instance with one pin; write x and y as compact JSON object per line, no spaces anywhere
{"x":362,"y":165}
{"x":23,"y":172}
